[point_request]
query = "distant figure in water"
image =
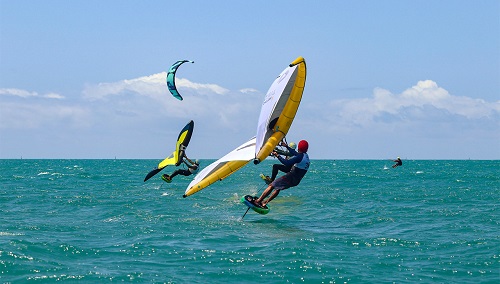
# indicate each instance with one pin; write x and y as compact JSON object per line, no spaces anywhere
{"x":397,"y":162}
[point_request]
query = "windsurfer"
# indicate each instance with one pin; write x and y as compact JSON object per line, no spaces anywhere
{"x":192,"y":168}
{"x":397,"y":162}
{"x":281,"y":167}
{"x":300,"y":164}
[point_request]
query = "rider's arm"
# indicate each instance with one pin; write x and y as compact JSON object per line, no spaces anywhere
{"x":189,"y":160}
{"x":291,"y":161}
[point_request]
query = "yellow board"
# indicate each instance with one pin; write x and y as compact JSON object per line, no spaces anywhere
{"x":288,"y":114}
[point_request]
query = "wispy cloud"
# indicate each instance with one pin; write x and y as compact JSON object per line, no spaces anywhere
{"x":428,"y":93}
{"x":148,"y":96}
{"x":36,"y":115}
{"x":422,"y":122}
{"x":27,"y":94}
{"x":144,"y":105}
{"x":181,"y":83}
{"x":249,"y":91}
{"x":153,"y":86}
{"x":423,"y":102}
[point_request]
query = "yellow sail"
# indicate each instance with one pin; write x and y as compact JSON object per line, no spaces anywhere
{"x":277,"y":113}
{"x":171,"y":160}
{"x":222,"y":168}
{"x":280,"y":108}
{"x":180,"y":146}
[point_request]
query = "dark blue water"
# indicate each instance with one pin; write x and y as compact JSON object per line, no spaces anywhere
{"x":349,"y":221}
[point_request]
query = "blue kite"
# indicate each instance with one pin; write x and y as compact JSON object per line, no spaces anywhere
{"x":171,"y":78}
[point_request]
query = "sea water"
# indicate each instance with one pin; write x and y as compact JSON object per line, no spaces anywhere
{"x":349,"y":221}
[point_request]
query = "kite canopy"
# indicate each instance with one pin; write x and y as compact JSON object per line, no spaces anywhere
{"x":171,"y":78}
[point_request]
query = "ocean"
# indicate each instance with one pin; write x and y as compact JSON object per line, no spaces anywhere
{"x":349,"y":221}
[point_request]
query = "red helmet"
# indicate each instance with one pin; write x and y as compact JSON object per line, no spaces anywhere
{"x":303,"y":146}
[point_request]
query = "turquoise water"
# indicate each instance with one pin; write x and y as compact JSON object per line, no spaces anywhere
{"x":349,"y":221}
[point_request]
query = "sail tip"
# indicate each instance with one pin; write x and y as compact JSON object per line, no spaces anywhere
{"x":184,"y":196}
{"x":299,"y":60}
{"x":256,"y":161}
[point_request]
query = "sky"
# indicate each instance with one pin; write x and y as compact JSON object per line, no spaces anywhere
{"x":86,"y":79}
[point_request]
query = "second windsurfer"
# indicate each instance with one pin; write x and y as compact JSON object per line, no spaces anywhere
{"x":192,"y":168}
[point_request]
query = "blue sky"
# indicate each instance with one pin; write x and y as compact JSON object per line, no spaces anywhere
{"x":86,"y":79}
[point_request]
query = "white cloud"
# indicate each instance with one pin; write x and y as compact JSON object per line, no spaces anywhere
{"x":423,"y":121}
{"x":141,"y":112}
{"x":428,"y":93}
{"x":420,"y":102}
{"x":18,"y":93}
{"x":200,"y":88}
{"x":249,"y":91}
{"x":53,"y":96}
{"x":27,"y":94}
{"x":33,"y":115}
{"x":148,"y":97}
{"x":153,"y":86}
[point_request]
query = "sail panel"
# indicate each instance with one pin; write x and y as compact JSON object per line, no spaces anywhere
{"x":279,"y":108}
{"x":223,"y":167}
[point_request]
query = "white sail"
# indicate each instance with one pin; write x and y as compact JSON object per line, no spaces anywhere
{"x":279,"y":108}
{"x":273,"y":105}
{"x":277,"y":113}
